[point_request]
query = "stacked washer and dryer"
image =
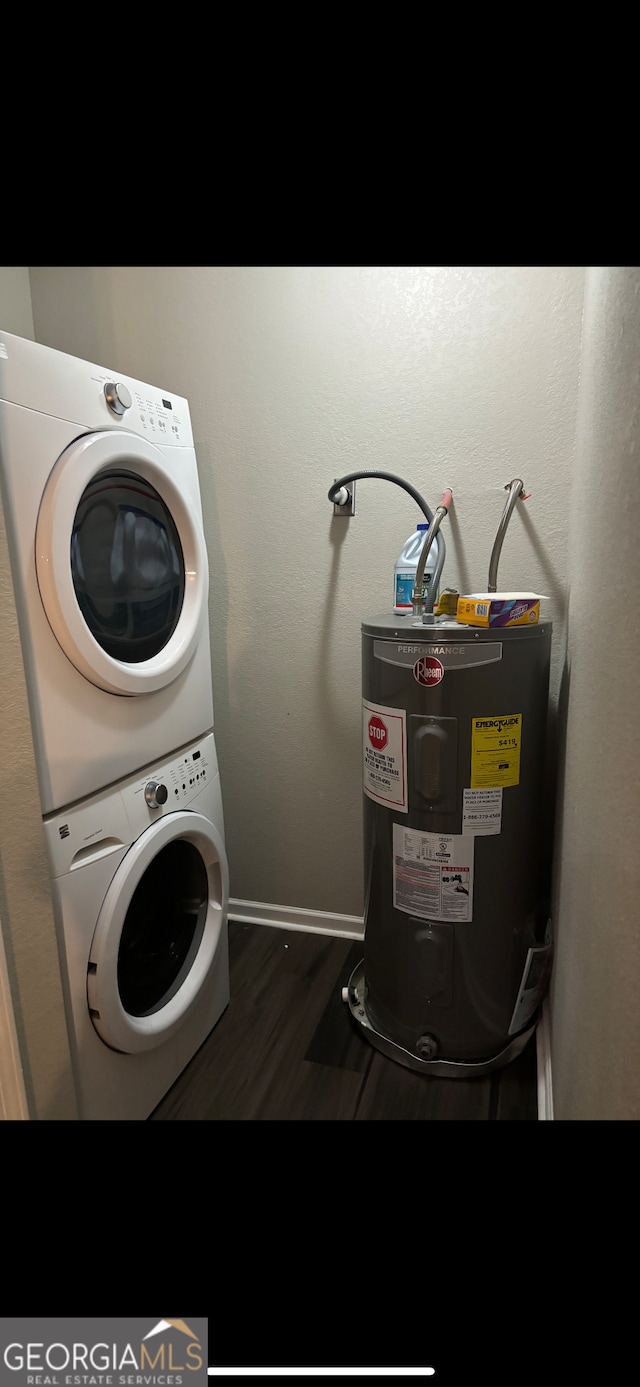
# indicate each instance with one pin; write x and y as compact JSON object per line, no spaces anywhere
{"x":110,"y":573}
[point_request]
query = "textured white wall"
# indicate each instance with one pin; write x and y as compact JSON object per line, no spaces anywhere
{"x":26,"y":911}
{"x":595,"y":1016}
{"x":464,"y":377}
{"x":15,"y":301}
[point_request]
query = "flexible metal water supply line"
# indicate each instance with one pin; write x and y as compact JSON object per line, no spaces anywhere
{"x":419,"y":606}
{"x":515,"y":489}
{"x":339,"y":496}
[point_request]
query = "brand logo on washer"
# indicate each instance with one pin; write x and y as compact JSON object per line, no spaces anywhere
{"x":428,"y":671}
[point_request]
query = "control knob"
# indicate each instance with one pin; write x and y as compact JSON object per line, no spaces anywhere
{"x":117,"y":397}
{"x":155,"y":794}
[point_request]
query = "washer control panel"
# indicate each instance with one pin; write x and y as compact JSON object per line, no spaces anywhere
{"x":113,"y":819}
{"x":173,"y":784}
{"x":155,"y":794}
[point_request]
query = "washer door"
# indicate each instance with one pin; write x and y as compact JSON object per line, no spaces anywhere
{"x":121,"y":563}
{"x":157,"y":933}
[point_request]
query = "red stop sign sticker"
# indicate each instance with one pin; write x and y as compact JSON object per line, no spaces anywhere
{"x":378,"y":735}
{"x":428,"y":671}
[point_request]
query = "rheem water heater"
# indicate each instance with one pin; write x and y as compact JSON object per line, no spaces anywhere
{"x":455,"y":948}
{"x":457,"y":940}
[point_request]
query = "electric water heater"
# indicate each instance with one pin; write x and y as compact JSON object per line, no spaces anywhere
{"x":457,"y":944}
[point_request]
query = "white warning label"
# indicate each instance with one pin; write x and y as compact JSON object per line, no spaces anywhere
{"x":482,"y":811}
{"x":433,"y":874}
{"x":384,"y":750}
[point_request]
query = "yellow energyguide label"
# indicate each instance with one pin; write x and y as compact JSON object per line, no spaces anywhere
{"x":495,"y":751}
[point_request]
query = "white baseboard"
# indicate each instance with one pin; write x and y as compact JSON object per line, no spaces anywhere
{"x":289,"y":917}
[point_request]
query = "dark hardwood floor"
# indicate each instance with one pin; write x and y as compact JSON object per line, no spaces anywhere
{"x":287,"y":1049}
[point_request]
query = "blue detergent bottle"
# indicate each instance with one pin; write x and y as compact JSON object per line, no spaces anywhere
{"x":406,"y":567}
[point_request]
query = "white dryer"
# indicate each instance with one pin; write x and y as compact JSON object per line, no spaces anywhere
{"x":140,"y":889}
{"x":104,"y":521}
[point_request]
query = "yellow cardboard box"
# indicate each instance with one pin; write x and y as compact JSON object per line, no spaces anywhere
{"x":499,"y":609}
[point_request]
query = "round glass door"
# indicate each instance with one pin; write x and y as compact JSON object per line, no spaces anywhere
{"x":162,"y":929}
{"x":158,"y":932}
{"x":121,"y":560}
{"x":127,"y":566}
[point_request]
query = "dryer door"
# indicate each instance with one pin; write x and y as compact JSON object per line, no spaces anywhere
{"x":121,"y":560}
{"x":158,"y":932}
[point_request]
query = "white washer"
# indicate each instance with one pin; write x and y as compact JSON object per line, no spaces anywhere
{"x":104,"y":521}
{"x":141,"y":892}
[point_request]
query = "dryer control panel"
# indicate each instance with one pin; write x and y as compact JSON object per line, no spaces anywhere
{"x":161,"y":417}
{"x":66,"y":387}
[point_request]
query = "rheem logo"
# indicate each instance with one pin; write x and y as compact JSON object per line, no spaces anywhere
{"x":428,"y":671}
{"x":378,"y":735}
